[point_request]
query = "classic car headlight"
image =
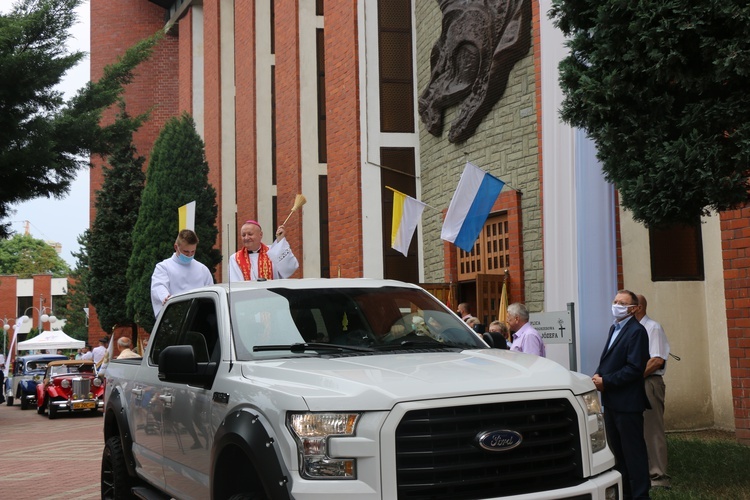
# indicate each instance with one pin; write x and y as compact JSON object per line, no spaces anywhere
{"x":597,"y":435}
{"x":97,"y":382}
{"x":311,"y":431}
{"x":65,"y":383}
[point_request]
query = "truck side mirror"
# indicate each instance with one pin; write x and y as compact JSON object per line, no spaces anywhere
{"x":177,"y":364}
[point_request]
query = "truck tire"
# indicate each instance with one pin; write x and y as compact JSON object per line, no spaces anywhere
{"x":116,"y":484}
{"x":248,"y":496}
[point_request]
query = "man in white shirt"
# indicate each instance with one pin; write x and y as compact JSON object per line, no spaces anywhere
{"x":100,"y":351}
{"x":259,"y":261}
{"x":179,"y":273}
{"x":653,"y":419}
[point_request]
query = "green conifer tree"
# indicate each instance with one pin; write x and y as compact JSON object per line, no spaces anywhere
{"x":45,"y":140}
{"x":177,"y":174}
{"x":111,"y":242}
{"x":661,"y":87}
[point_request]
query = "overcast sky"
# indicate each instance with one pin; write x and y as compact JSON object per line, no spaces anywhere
{"x":64,"y":220}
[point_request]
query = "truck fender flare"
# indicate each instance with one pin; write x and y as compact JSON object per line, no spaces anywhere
{"x":116,"y":419}
{"x":244,"y":429}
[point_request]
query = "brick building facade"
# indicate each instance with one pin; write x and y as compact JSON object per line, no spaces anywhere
{"x":320,"y":98}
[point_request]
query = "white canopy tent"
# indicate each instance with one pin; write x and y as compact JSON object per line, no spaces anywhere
{"x":55,"y":339}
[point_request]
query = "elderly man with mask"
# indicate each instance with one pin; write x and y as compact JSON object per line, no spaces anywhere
{"x":256,"y":260}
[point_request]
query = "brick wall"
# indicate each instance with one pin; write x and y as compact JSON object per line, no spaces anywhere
{"x":343,"y":132}
{"x":115,"y":26}
{"x":506,"y":144}
{"x":735,"y":244}
{"x":8,"y":300}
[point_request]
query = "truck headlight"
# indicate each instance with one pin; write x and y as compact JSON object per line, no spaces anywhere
{"x":597,"y":435}
{"x":311,"y":431}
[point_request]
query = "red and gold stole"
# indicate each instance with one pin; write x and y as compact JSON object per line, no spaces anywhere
{"x":265,"y":266}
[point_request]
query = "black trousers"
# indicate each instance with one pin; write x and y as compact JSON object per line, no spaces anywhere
{"x":625,"y":438}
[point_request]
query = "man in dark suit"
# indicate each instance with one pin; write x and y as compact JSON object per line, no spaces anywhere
{"x":619,"y":378}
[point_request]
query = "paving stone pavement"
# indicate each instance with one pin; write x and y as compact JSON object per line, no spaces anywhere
{"x":50,"y":459}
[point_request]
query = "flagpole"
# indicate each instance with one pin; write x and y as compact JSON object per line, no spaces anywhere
{"x":420,"y":201}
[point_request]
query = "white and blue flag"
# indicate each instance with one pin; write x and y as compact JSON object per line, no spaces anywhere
{"x":471,"y":204}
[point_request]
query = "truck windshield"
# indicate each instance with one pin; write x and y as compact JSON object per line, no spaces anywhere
{"x":376,"y":318}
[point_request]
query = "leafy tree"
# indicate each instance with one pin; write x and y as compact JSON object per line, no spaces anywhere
{"x":25,"y":256}
{"x":44,"y":140}
{"x":177,"y":174}
{"x":71,"y":305}
{"x":661,"y":87}
{"x":111,"y":234}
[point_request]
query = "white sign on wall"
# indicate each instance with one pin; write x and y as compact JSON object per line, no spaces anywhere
{"x":553,"y":327}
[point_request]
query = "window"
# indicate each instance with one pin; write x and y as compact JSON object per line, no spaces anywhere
{"x":677,"y":253}
{"x":169,"y":328}
{"x":491,"y":252}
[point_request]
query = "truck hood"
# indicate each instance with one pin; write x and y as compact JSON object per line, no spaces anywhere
{"x":377,"y":382}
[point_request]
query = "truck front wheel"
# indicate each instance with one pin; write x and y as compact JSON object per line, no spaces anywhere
{"x":116,"y":483}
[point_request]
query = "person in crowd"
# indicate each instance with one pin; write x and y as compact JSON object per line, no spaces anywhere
{"x":258,"y":261}
{"x":180,"y":272}
{"x":498,"y":332}
{"x":100,"y":351}
{"x":653,"y":419}
{"x":525,"y":338}
{"x":87,"y":352}
{"x":463,"y":311}
{"x":125,"y":346}
{"x":619,"y":378}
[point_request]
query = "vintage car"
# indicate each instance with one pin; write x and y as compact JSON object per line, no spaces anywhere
{"x":70,"y":385}
{"x":23,"y":377}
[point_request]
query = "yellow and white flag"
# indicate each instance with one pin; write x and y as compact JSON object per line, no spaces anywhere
{"x":187,"y":216}
{"x":407,"y":212}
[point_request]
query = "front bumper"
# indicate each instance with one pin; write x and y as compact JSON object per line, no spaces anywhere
{"x":77,"y":404}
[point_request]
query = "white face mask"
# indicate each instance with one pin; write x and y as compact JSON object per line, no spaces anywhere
{"x":620,"y":312}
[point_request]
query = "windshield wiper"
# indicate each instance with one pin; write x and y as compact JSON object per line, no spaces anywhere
{"x":310,"y":346}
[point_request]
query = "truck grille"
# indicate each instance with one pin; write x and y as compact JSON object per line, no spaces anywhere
{"x":81,"y":387}
{"x":437,"y":455}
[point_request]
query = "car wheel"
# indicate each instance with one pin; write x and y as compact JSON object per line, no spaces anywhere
{"x":40,"y":409}
{"x":51,"y":410}
{"x":116,"y":483}
{"x":9,"y":400}
{"x":24,"y":403}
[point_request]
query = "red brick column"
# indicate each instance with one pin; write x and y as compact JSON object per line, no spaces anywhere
{"x":735,"y":244}
{"x":288,"y":155}
{"x":245,"y":117}
{"x":343,"y":132}
{"x":185,"y":64}
{"x":212,"y":93}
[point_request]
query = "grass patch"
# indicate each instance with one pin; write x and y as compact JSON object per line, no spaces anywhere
{"x":706,"y":466}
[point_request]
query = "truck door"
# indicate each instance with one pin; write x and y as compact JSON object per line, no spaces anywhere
{"x":187,"y":433}
{"x":147,"y":396}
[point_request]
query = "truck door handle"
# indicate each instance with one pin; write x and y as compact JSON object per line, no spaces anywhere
{"x":166,"y":399}
{"x":137,"y":392}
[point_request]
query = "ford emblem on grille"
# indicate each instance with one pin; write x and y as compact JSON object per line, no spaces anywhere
{"x":500,"y":440}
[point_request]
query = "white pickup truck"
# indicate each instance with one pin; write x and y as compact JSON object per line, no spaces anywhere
{"x":343,"y":389}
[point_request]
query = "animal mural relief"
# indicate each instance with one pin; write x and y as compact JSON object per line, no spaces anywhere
{"x":480,"y":42}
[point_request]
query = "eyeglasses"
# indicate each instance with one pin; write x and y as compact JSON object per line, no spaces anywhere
{"x":615,"y":303}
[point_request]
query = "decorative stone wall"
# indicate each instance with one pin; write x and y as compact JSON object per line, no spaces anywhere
{"x":505,"y":144}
